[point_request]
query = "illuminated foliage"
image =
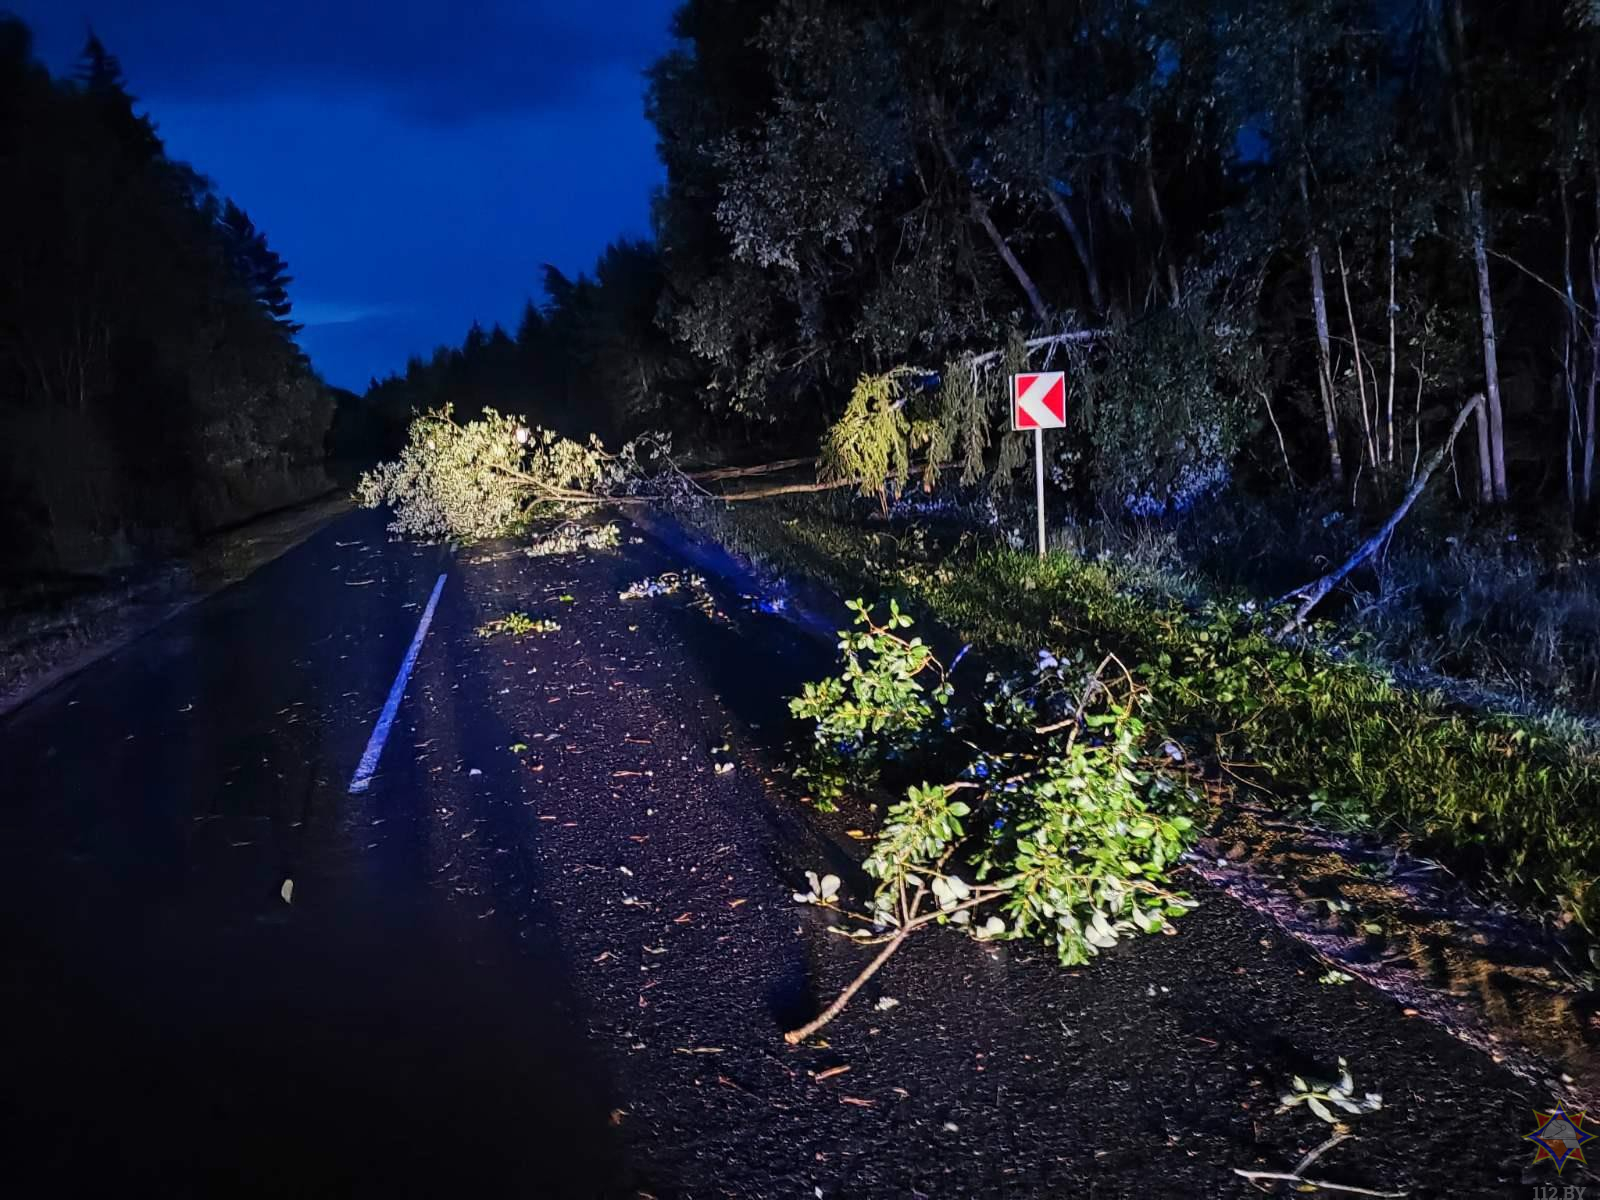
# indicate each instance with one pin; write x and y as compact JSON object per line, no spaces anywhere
{"x":482,"y":479}
{"x":1056,"y":822}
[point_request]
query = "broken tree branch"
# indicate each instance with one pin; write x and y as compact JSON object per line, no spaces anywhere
{"x":782,"y":464}
{"x":912,"y":919}
{"x":786,"y":489}
{"x":1322,"y":1184}
{"x":795,"y":1036}
{"x":795,"y":489}
{"x":1298,"y":1174}
{"x":1057,"y":339}
{"x":1312,"y":593}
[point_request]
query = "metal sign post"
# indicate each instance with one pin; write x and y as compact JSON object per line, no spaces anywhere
{"x":1039,"y":402}
{"x":1038,"y":482}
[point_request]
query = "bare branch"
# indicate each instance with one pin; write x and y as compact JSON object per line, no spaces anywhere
{"x":1313,"y":593}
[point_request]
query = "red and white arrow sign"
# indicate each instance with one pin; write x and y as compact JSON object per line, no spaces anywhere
{"x":1039,"y":401}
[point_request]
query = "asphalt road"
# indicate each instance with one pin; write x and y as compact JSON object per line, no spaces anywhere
{"x":551,"y":949}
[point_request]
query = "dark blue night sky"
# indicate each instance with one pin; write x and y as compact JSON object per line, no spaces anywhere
{"x":416,"y":161}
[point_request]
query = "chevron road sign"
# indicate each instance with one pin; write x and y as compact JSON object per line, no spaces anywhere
{"x":1039,"y":402}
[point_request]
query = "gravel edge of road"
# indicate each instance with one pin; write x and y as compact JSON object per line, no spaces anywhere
{"x":100,"y":623}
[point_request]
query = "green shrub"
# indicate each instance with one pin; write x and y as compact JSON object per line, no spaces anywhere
{"x":1167,"y":405}
{"x":875,"y":707}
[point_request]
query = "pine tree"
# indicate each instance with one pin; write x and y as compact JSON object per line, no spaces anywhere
{"x":100,"y":76}
{"x":259,"y":268}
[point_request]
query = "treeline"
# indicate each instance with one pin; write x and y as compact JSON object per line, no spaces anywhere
{"x":150,"y":385}
{"x":1297,"y":235}
{"x":592,"y":359}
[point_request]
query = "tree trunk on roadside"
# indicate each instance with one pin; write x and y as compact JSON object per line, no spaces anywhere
{"x":1079,"y":244}
{"x":1369,"y":421}
{"x":1495,"y":421}
{"x":980,"y":213}
{"x":1569,"y":350}
{"x":1485,"y":473}
{"x":1388,"y":413}
{"x":1319,"y":310}
{"x":1319,"y":296}
{"x":1451,"y":52}
{"x":1587,"y":492}
{"x":1157,"y":214}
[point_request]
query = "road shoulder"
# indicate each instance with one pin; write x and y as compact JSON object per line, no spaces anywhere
{"x":43,"y":645}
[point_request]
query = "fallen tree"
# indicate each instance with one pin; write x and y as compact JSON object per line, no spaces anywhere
{"x":490,"y":477}
{"x":771,"y":468}
{"x":1314,"y":592}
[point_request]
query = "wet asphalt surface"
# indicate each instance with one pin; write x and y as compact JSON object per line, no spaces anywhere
{"x":552,"y":950}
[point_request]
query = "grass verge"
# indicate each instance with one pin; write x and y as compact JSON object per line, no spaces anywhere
{"x":1510,"y":798}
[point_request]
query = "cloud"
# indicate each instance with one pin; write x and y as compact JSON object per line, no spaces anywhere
{"x":433,"y":61}
{"x":316,"y":314}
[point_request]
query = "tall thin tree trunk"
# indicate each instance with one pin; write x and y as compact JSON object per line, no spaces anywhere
{"x":1491,"y":351}
{"x":1416,"y":420}
{"x":1388,"y":412}
{"x":1079,"y":244}
{"x":1587,"y":491}
{"x":1368,"y":421}
{"x":1569,"y":348}
{"x":980,"y":213}
{"x":1160,"y":216}
{"x":1485,"y":472}
{"x":1571,"y":398}
{"x":1319,"y":310}
{"x":1491,"y":420}
{"x":1319,"y":298}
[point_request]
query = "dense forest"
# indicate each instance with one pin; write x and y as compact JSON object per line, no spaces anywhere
{"x":150,"y":385}
{"x":1278,"y":245}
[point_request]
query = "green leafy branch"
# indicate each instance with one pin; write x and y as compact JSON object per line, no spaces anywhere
{"x":517,"y":625}
{"x":1063,"y":828}
{"x":875,"y":709}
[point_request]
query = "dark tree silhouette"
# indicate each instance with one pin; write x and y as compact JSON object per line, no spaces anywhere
{"x":258,"y":267}
{"x":150,"y":387}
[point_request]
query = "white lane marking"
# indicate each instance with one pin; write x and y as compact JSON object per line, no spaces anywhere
{"x":1032,"y":401}
{"x":380,"y":731}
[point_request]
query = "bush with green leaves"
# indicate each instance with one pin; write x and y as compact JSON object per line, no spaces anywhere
{"x":1167,"y":405}
{"x":1055,"y":821}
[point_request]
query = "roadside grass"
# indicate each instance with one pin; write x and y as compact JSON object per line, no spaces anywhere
{"x":1514,"y":799}
{"x":1518,"y":797}
{"x":1486,"y":612}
